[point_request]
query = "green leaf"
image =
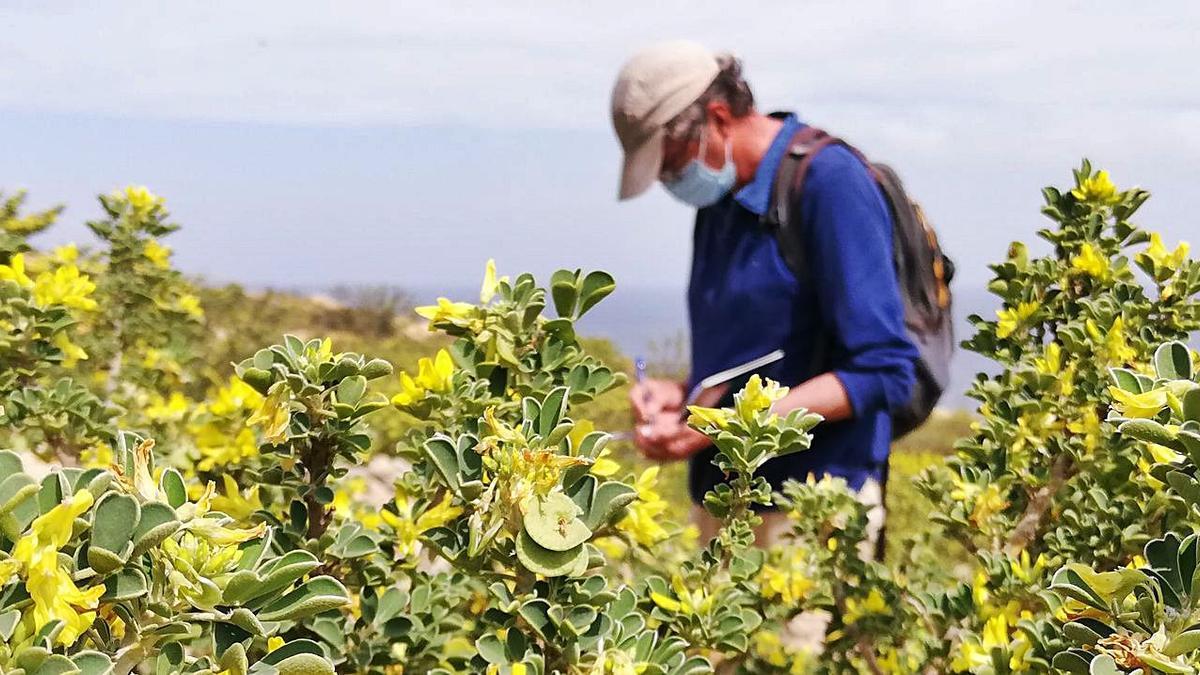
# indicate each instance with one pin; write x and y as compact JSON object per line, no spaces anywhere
{"x":10,"y":463}
{"x":8,"y":622}
{"x":1184,"y":643}
{"x":1149,"y":431}
{"x":15,"y":489}
{"x":314,"y":596}
{"x":173,"y":486}
{"x":1173,"y":361}
{"x":156,"y":524}
{"x":55,"y":488}
{"x":441,"y":452}
{"x":259,"y":380}
{"x":552,"y":410}
{"x":92,"y":663}
{"x":596,"y":286}
{"x":541,"y":560}
{"x":127,"y":584}
{"x":536,"y":613}
{"x":564,"y":289}
{"x":290,"y":649}
{"x":305,"y":664}
{"x":376,"y":368}
{"x":351,"y":390}
{"x":245,"y":619}
{"x":553,"y":522}
{"x":491,"y":649}
{"x":56,"y":664}
{"x":1126,"y":379}
{"x":611,"y":496}
{"x":1104,"y":665}
{"x":1191,"y":405}
{"x":114,"y":521}
{"x":279,"y":574}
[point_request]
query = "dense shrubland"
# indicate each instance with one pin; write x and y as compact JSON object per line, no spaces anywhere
{"x":199,"y":480}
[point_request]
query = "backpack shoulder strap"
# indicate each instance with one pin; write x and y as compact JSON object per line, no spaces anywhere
{"x":789,"y":182}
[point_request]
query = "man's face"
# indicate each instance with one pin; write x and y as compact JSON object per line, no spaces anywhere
{"x":678,"y":153}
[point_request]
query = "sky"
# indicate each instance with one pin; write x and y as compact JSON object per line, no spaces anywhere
{"x":305,"y":144}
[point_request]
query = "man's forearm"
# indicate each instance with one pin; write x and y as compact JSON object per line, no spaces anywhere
{"x":823,"y":394}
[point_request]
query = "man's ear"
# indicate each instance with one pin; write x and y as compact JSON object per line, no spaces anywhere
{"x":720,"y":114}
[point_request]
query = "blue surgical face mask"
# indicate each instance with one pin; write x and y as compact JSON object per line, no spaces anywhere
{"x":700,"y":186}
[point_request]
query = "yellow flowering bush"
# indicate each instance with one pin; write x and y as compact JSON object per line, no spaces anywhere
{"x":252,"y":536}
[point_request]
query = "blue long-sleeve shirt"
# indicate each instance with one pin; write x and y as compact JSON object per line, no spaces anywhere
{"x":744,"y":302}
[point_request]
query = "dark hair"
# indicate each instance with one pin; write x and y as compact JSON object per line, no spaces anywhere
{"x":729,"y":87}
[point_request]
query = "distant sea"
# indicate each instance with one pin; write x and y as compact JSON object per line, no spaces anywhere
{"x":652,"y":321}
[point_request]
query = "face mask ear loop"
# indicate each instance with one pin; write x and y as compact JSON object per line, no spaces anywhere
{"x":703,"y":143}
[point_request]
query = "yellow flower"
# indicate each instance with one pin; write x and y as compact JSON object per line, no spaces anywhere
{"x":68,"y":253}
{"x":1162,"y":258}
{"x":1051,"y":361}
{"x":64,"y":286}
{"x":171,"y":409}
{"x":436,"y":374}
{"x":989,"y":502}
{"x":274,"y":416}
{"x":274,"y":642}
{"x":790,"y":581}
{"x":409,"y":392}
{"x":1115,"y":348}
{"x":707,"y":417}
{"x":157,"y":254}
{"x":1161,"y":454}
{"x":232,"y":503}
{"x":99,"y":456}
{"x":1097,"y":189}
{"x":51,"y":587}
{"x":1089,"y":426}
{"x":140,"y":198}
{"x":685,"y":600}
{"x":1011,"y":319}
{"x":1090,"y":262}
{"x":874,"y":604}
{"x":14,"y":271}
{"x":218,"y":450}
{"x":490,"y":283}
{"x":190,"y":305}
{"x":1026,"y":571}
{"x":72,"y":353}
{"x":643,"y":517}
{"x":604,"y":465}
{"x":756,"y":397}
{"x":215,"y":532}
{"x":408,"y":529}
{"x":1144,"y":405}
{"x":235,"y":397}
{"x":446,"y":311}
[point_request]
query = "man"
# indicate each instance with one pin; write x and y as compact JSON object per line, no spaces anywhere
{"x":686,"y":118}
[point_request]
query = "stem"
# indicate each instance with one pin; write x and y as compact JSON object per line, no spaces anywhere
{"x":1039,"y":505}
{"x":316,"y":460}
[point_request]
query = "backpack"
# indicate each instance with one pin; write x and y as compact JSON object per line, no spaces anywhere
{"x":922,"y":270}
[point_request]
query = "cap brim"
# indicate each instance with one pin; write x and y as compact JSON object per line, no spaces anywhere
{"x":642,"y":166}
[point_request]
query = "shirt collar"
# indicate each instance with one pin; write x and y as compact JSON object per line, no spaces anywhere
{"x":755,"y":196}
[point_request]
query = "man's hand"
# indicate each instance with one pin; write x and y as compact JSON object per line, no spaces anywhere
{"x":653,"y":398}
{"x":668,"y":438}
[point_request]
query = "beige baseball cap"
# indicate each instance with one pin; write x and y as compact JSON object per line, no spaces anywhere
{"x":654,"y":86}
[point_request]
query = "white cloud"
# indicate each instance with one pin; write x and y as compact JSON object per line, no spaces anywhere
{"x":550,"y":64}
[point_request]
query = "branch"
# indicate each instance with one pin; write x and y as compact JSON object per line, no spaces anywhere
{"x":1039,"y":505}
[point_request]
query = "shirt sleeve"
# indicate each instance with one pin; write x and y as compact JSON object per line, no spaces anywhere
{"x":849,"y":234}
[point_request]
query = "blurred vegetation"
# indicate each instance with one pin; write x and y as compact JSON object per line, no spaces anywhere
{"x":377,"y":320}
